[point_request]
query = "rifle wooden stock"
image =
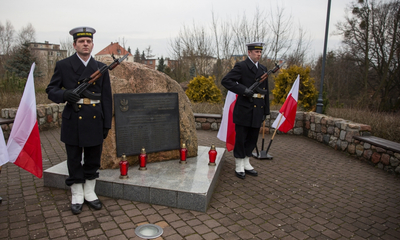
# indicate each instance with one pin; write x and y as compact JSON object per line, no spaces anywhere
{"x":262,"y":79}
{"x":94,"y":77}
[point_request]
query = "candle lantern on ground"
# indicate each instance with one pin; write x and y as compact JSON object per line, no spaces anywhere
{"x":123,"y":167}
{"x":142,"y":160}
{"x":183,"y":154}
{"x":212,"y":155}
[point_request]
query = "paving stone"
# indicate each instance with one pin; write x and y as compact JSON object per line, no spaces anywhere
{"x":201,"y":229}
{"x":307,"y":191}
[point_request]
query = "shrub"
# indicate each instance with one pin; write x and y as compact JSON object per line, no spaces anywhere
{"x":307,"y":92}
{"x":202,"y":89}
{"x":10,"y":82}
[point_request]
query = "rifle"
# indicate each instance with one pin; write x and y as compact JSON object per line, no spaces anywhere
{"x":94,"y":77}
{"x":259,"y":81}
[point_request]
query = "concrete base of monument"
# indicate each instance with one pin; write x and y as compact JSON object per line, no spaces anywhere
{"x":168,"y":183}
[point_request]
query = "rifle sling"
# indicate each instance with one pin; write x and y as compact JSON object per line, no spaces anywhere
{"x":93,"y":96}
{"x":262,"y":91}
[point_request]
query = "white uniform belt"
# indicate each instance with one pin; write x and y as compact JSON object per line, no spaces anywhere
{"x":258,"y":95}
{"x":87,"y":101}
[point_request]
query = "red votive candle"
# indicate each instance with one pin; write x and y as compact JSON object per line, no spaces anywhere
{"x":212,"y":155}
{"x":183,"y":153}
{"x":123,"y":167}
{"x":142,"y":160}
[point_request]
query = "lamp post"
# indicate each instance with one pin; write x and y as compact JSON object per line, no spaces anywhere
{"x":320,"y":101}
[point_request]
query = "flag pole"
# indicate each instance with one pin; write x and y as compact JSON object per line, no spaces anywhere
{"x":262,"y":142}
{"x":269,"y":145}
{"x":1,"y":200}
{"x":257,"y":153}
{"x":262,"y":154}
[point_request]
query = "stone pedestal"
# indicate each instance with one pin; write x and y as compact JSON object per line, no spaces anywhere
{"x":168,"y":183}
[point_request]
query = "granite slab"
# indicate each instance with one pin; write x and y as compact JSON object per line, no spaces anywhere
{"x":168,"y":183}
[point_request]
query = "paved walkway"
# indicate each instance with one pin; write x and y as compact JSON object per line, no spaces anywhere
{"x":308,"y":191}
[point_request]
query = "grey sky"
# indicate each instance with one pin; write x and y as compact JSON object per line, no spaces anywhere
{"x":143,"y":23}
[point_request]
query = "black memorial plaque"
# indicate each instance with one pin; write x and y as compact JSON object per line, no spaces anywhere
{"x":149,"y":120}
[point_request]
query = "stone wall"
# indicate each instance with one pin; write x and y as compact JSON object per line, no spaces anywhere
{"x":48,"y":116}
{"x":334,"y":132}
{"x":207,"y":121}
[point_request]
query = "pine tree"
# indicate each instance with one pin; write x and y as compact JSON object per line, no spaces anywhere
{"x":20,"y":62}
{"x":136,"y":57}
{"x":142,"y":57}
{"x":161,"y":66}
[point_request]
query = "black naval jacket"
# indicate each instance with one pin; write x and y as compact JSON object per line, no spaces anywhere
{"x":83,"y":128}
{"x":242,"y":76}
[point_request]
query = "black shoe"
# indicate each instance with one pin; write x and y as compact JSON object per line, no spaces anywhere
{"x":76,"y":208}
{"x":96,"y":204}
{"x":241,"y":175}
{"x":251,"y":172}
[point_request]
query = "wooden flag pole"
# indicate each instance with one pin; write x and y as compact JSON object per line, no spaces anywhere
{"x":262,"y":154}
{"x":1,"y":200}
{"x":258,"y":155}
{"x":269,"y":145}
{"x":262,"y":143}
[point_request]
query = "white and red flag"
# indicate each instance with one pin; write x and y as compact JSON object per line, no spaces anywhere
{"x":227,"y":131}
{"x":23,"y":145}
{"x":288,"y":110}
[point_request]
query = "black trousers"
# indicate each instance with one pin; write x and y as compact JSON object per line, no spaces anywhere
{"x":79,"y":172}
{"x":245,"y":142}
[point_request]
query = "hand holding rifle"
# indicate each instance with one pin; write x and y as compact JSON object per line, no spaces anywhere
{"x":263,"y":77}
{"x":249,"y":92}
{"x":90,"y":80}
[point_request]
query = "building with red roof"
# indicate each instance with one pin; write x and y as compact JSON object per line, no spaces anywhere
{"x":114,"y":49}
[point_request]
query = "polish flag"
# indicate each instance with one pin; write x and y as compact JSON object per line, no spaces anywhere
{"x":3,"y":149}
{"x":227,"y":131}
{"x":23,"y":145}
{"x":288,"y":110}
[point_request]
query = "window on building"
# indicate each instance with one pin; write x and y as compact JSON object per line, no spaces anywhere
{"x":151,"y":62}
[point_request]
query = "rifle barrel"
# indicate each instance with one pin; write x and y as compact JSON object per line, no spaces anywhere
{"x":258,"y":80}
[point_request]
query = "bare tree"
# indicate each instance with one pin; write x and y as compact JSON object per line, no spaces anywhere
{"x":149,"y":52}
{"x":298,"y":52}
{"x":123,"y":42}
{"x":67,"y":44}
{"x":255,"y":30}
{"x":371,"y":35}
{"x":356,"y":30}
{"x":222,"y":38}
{"x":176,"y":50}
{"x":26,"y":34}
{"x":227,"y":41}
{"x":281,"y":27}
{"x":194,"y":51}
{"x":6,"y":37}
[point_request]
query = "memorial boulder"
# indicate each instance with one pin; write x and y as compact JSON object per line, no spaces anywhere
{"x":133,"y":78}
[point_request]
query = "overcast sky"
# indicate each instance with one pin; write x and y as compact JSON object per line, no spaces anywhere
{"x":143,"y":23}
